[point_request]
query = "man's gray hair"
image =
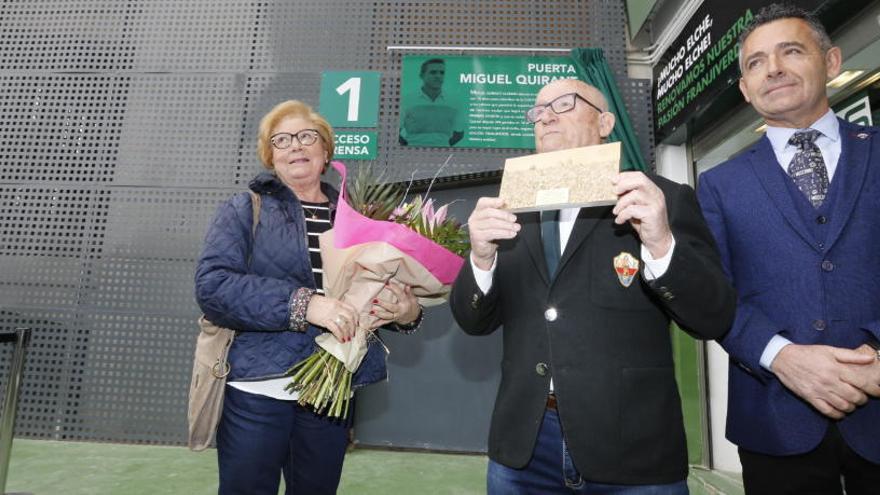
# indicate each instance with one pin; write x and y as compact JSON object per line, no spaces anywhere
{"x":775,"y":12}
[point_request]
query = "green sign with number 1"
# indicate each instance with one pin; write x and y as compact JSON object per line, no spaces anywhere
{"x":350,"y":99}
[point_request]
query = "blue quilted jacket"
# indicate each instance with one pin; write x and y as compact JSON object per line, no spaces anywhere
{"x":252,"y":296}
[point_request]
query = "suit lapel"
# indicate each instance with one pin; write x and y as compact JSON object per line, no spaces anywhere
{"x":586,"y":222}
{"x":851,"y":169}
{"x":764,"y":165}
{"x":531,"y":236}
{"x":584,"y":225}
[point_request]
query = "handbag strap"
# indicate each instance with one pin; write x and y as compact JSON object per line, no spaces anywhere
{"x":256,"y":201}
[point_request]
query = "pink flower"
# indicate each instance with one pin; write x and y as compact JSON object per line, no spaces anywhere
{"x":399,"y":211}
{"x":428,"y":215}
{"x":440,"y":216}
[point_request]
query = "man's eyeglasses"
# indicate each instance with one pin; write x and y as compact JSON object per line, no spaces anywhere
{"x":561,"y":104}
{"x":305,"y":137}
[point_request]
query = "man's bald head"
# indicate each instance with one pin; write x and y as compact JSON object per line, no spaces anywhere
{"x":582,"y":125}
{"x":577,"y":86}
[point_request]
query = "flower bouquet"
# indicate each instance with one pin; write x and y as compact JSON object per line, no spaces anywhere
{"x":376,"y":237}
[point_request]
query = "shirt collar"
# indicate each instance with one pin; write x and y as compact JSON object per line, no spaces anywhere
{"x":440,"y":97}
{"x":827,"y":125}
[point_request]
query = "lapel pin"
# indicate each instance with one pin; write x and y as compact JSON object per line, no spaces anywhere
{"x":626,"y":266}
{"x":862,"y":135}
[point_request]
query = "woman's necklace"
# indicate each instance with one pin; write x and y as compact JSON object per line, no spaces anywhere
{"x":312,"y":210}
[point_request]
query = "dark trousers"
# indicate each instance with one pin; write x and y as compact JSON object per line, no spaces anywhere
{"x":825,"y":470}
{"x":259,"y":438}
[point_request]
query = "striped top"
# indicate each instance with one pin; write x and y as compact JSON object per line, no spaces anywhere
{"x":317,"y":222}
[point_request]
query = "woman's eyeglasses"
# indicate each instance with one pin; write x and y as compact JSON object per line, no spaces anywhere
{"x":305,"y":137}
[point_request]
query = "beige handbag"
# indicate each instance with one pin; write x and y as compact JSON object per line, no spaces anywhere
{"x":210,"y":368}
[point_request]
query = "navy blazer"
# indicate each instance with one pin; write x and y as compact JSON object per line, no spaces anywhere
{"x":810,"y":289}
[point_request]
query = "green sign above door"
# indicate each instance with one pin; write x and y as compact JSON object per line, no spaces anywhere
{"x":350,"y":99}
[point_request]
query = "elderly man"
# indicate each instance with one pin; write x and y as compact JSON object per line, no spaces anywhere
{"x":588,"y":400}
{"x":796,"y":220}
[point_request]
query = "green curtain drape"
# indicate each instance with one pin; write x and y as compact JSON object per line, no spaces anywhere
{"x":591,"y":67}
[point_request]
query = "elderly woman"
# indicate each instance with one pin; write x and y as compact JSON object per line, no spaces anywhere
{"x":267,"y":287}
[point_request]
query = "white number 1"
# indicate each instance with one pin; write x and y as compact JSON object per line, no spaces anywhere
{"x":353,"y":84}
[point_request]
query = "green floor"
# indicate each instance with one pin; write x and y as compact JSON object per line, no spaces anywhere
{"x":72,"y":468}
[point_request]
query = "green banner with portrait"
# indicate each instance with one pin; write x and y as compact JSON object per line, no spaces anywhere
{"x":473,"y":101}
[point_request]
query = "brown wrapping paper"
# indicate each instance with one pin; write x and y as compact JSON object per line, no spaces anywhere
{"x":357,"y":275}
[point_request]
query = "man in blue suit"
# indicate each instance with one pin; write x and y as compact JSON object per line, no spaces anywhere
{"x":797,"y":220}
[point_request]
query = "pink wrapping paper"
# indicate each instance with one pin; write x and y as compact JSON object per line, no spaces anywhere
{"x":359,"y":255}
{"x":353,"y":228}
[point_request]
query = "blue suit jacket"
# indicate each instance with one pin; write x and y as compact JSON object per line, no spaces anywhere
{"x":789,"y":283}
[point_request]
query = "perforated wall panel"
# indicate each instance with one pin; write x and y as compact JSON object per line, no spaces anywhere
{"x":193,"y":36}
{"x":124,"y":124}
{"x":180,"y":130}
{"x":60,"y":128}
{"x":67,"y":36}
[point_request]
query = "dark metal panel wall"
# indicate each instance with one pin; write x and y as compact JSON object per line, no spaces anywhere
{"x":180,"y":130}
{"x":123,"y":124}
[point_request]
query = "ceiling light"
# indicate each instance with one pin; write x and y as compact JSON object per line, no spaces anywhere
{"x":844,"y":78}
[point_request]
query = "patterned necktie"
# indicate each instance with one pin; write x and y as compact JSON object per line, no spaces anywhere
{"x":550,"y":238}
{"x":807,"y":168}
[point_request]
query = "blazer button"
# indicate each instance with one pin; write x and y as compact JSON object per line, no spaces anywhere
{"x":821,"y":219}
{"x":475,"y":301}
{"x":827,"y":266}
{"x":541,"y":369}
{"x":819,"y":325}
{"x":551,"y":314}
